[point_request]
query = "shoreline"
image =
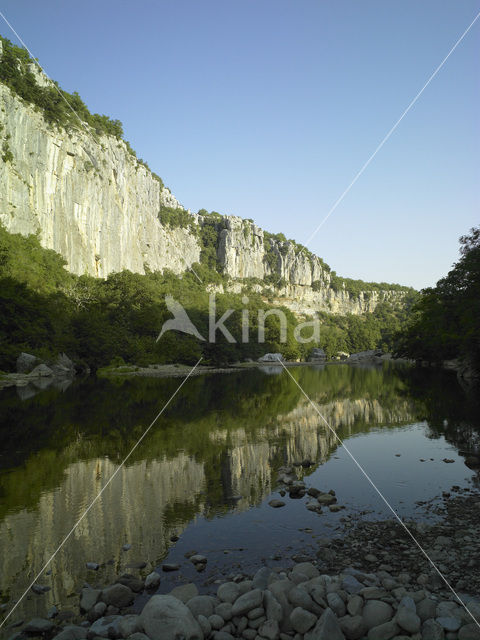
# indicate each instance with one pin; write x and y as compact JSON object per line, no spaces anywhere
{"x":372,"y":582}
{"x":177,"y":370}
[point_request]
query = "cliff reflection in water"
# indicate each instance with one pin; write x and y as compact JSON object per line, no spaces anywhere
{"x":224,"y":436}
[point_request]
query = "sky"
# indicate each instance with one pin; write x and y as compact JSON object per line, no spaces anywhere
{"x":267,"y":109}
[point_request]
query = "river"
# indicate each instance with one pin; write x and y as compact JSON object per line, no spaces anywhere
{"x":208,"y":468}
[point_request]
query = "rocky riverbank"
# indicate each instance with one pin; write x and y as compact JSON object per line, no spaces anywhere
{"x":372,"y":583}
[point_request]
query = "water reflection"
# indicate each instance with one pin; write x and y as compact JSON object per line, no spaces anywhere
{"x":223,"y":437}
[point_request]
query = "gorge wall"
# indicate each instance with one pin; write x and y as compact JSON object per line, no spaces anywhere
{"x":89,"y":198}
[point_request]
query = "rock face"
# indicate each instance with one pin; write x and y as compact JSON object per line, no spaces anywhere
{"x":90,"y":200}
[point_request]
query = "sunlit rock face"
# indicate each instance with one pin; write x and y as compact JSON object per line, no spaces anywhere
{"x":89,"y":199}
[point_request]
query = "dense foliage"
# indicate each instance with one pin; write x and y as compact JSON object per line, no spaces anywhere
{"x":446,"y":322}
{"x":46,"y":309}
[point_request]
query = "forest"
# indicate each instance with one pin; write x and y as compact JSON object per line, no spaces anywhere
{"x":47,"y":310}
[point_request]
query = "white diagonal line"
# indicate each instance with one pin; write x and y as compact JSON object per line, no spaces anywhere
{"x":397,"y":517}
{"x":98,"y":495}
{"x":387,"y":136}
{"x":60,"y":93}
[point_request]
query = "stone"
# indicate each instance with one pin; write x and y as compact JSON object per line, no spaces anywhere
{"x":351,"y":585}
{"x":326,"y":499}
{"x":302,"y":620}
{"x":355,"y":605}
{"x":167,"y":618}
{"x":469,"y":632}
{"x":132,"y":582}
{"x":222,"y":635}
{"x":184,"y":592}
{"x":106,"y":627}
{"x":273,"y":608}
{"x":117,"y":595}
{"x":92,"y":566}
{"x":38,"y":626}
{"x":224,"y":610}
{"x":353,"y":627}
{"x":260,"y":579}
{"x":52,"y":612}
{"x":307,"y":568}
{"x":228,"y":592}
{"x":384,"y":631}
{"x":41,"y":371}
{"x":99,"y":609}
{"x":257,"y":622}
{"x":449,"y":623}
{"x":129,"y":625}
{"x":336,"y":604}
{"x":202,"y":605}
{"x":408,"y":620}
{"x":247,"y":601}
{"x":255,"y":613}
{"x":300,"y":598}
{"x":276,"y":504}
{"x":71,"y":632}
{"x":216,"y":621}
{"x":26,"y":362}
{"x":271,"y":357}
{"x":205,"y":625}
{"x":327,"y":628}
{"x":269,"y":629}
{"x":89,"y":598}
{"x":431,"y":630}
{"x":138,"y":636}
{"x":376,"y":612}
{"x":426,"y":609}
{"x":280,"y":591}
{"x":198,"y":559}
{"x":170,"y":566}
{"x":152,"y":580}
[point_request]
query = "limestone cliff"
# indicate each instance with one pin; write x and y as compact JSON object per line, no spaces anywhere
{"x":90,"y":199}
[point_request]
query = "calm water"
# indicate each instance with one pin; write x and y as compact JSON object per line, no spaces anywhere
{"x":208,"y":468}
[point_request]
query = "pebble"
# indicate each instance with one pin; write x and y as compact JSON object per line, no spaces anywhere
{"x":152,"y":580}
{"x":276,"y":504}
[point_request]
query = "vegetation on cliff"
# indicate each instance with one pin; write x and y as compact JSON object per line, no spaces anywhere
{"x":58,"y":107}
{"x":446,"y":319}
{"x":46,"y":309}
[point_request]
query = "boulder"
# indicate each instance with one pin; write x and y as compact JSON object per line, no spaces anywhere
{"x":118,"y":595}
{"x":41,"y":371}
{"x":271,"y":357}
{"x":72,"y":632}
{"x":26,"y":362}
{"x":185,"y":592}
{"x":247,"y":602}
{"x":166,"y":618}
{"x":152,"y":580}
{"x":107,"y":627}
{"x":317,"y":355}
{"x":302,"y":620}
{"x":201,"y":605}
{"x":376,"y":612}
{"x":38,"y":626}
{"x":327,"y":628}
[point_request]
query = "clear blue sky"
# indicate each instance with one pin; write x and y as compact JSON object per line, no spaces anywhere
{"x":267,"y":108}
